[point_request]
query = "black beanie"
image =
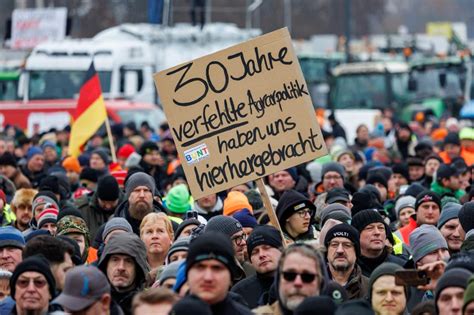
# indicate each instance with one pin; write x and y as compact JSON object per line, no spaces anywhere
{"x":184,"y":224}
{"x":37,"y":263}
{"x":385,"y":269}
{"x":191,"y":305}
{"x":377,"y":178}
{"x":456,"y":277}
{"x":290,"y":202}
{"x":316,"y":305}
{"x":414,"y":190}
{"x":359,"y":307}
{"x":365,"y":217}
{"x":466,"y":216}
{"x":452,"y":138}
{"x":89,"y":174}
{"x":8,"y":159}
{"x":427,"y":196}
{"x":346,"y":231}
{"x":264,"y":235}
{"x":70,"y":210}
{"x":212,"y":245}
{"x":108,"y":188}
{"x":336,"y":292}
{"x":148,"y":147}
{"x":402,"y":169}
{"x":50,"y":183}
{"x":362,"y":201}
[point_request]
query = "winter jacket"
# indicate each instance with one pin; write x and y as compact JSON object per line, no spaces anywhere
{"x":216,"y":210}
{"x":20,"y":180}
{"x":133,"y":246}
{"x":369,"y":264}
{"x":92,"y":213}
{"x":252,"y":288}
{"x":229,"y":306}
{"x":357,"y":286}
{"x":34,"y":178}
{"x":441,"y":191}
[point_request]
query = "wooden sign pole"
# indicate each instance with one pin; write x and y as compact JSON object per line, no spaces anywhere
{"x":268,"y":205}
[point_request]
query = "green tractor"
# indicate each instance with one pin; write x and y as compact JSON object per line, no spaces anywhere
{"x":9,"y":85}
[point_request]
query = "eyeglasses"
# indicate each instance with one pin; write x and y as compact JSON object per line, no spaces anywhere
{"x":334,"y":177}
{"x":305,"y":276}
{"x":24,"y":283}
{"x":345,"y":245}
{"x":239,"y":239}
{"x":302,"y":213}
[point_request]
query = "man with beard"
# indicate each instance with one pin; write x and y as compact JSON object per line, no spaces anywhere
{"x":21,"y":206}
{"x":263,"y":247}
{"x":97,"y":207}
{"x":343,"y":247}
{"x":124,"y":262}
{"x":139,"y":191}
{"x":301,"y":273}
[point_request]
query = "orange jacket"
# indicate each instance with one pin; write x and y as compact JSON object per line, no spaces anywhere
{"x":406,"y":231}
{"x":466,"y":155}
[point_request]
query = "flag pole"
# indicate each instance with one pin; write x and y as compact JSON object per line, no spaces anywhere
{"x":111,"y":140}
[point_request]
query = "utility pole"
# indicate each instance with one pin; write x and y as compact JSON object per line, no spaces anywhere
{"x":347,"y":10}
{"x":287,"y":10}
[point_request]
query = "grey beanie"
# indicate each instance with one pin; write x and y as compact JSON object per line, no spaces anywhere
{"x":170,"y":271}
{"x":116,"y":223}
{"x":333,"y":167}
{"x":404,"y":202}
{"x":450,"y":211}
{"x":456,"y":277}
{"x":426,"y":239}
{"x":335,"y":211}
{"x":139,"y":179}
{"x":181,"y":244}
{"x":385,"y":269}
{"x":223,"y":224}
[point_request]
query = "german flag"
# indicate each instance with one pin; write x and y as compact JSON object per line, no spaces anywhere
{"x":90,"y":112}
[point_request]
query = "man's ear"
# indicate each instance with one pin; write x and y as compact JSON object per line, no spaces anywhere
{"x":105,"y":301}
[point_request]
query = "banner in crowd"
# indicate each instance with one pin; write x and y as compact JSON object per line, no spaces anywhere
{"x":240,"y":114}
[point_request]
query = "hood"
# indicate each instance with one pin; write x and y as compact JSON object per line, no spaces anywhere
{"x":217,"y":207}
{"x":126,"y":244}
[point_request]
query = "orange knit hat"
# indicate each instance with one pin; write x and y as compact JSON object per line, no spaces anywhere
{"x":72,"y":164}
{"x":236,"y":201}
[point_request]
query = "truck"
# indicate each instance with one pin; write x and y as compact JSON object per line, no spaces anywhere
{"x":358,"y":91}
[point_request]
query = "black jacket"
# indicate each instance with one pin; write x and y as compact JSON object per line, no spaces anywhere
{"x":252,"y":288}
{"x":369,"y":264}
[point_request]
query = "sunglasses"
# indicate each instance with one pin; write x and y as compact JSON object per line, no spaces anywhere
{"x":305,"y":277}
{"x":24,"y":283}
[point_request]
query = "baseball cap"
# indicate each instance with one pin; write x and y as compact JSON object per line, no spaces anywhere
{"x":84,"y":285}
{"x":337,"y":194}
{"x":446,"y":171}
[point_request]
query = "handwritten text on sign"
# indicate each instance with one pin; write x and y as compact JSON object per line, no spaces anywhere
{"x":240,"y":114}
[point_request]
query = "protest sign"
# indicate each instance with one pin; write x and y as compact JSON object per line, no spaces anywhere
{"x":240,"y":114}
{"x":33,"y":26}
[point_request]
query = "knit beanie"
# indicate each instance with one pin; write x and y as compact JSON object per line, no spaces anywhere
{"x":191,"y":305}
{"x":290,"y":202}
{"x":139,"y":179}
{"x":8,"y":159}
{"x":212,"y":245}
{"x":365,"y":217}
{"x":116,"y":223}
{"x":456,"y":277}
{"x":335,"y":211}
{"x":377,"y":178}
{"x":32,"y":151}
{"x":42,"y":198}
{"x":424,"y":240}
{"x":402,"y":169}
{"x":333,"y":167}
{"x":246,"y":218}
{"x":103,"y":154}
{"x":466,"y":216}
{"x":108,"y":188}
{"x":316,"y":305}
{"x":177,"y":199}
{"x":359,"y":307}
{"x":452,"y":138}
{"x":450,"y":211}
{"x":293,"y":173}
{"x":264,"y":235}
{"x":37,"y":263}
{"x":336,"y":292}
{"x":468,"y":293}
{"x":343,"y":230}
{"x":234,"y":202}
{"x":183,"y":225}
{"x":169,"y":271}
{"x":385,"y":269}
{"x":11,"y":237}
{"x":71,"y":164}
{"x":225,"y":225}
{"x":404,"y":202}
{"x":180,"y":245}
{"x":89,"y":174}
{"x":414,"y":190}
{"x":48,"y":215}
{"x":125,"y":151}
{"x":148,"y":147}
{"x":427,"y":196}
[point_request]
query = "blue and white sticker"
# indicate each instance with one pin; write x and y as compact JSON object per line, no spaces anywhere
{"x":196,"y":154}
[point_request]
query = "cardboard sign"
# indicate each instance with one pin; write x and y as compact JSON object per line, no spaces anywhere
{"x":33,"y":26}
{"x":240,"y":114}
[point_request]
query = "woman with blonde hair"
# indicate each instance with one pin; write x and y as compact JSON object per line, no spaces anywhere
{"x":156,"y":231}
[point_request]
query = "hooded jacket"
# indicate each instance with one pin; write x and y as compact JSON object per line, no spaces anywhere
{"x":133,"y":246}
{"x":93,"y":214}
{"x":122,"y":212}
{"x":217,"y":210}
{"x":441,"y":191}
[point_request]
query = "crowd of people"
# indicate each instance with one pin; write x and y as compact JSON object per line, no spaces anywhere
{"x":384,"y":224}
